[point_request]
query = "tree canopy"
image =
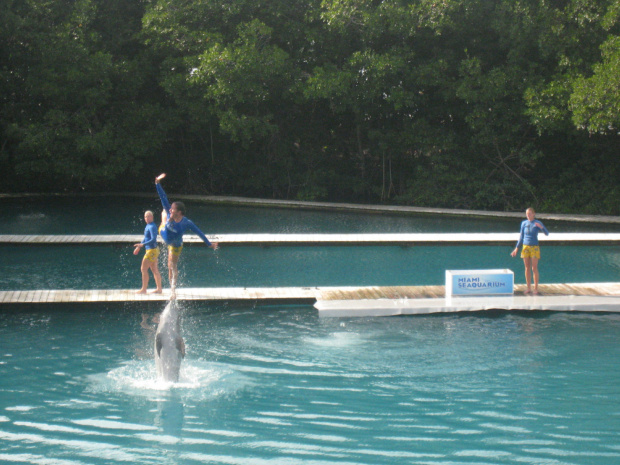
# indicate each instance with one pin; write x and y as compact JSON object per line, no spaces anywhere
{"x":478,"y":104}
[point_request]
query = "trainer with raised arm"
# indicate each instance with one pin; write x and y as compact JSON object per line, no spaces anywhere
{"x":174,"y":224}
{"x":531,"y":251}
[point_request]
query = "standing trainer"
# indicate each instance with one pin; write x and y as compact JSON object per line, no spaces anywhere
{"x":173,"y":225}
{"x":531,"y":251}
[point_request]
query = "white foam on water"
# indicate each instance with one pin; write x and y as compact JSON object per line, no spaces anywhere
{"x":296,"y":363}
{"x":58,"y":428}
{"x":114,"y":425}
{"x":324,"y":437}
{"x":506,"y":428}
{"x":196,"y":379}
{"x":230,"y":460}
{"x":317,"y":416}
{"x":414,"y":439}
{"x":35,"y":459}
{"x":20,"y":408}
{"x":164,"y":439}
{"x":268,"y":421}
{"x":501,"y":416}
{"x":336,"y":340}
{"x":339,"y":426}
{"x":78,"y":404}
{"x":215,"y":432}
{"x":91,"y":449}
{"x":296,"y":448}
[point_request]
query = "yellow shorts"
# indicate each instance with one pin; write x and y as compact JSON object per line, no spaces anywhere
{"x":530,"y":251}
{"x":175,"y":250}
{"x":151,"y":254}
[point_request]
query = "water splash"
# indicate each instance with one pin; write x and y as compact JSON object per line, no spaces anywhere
{"x":197,"y":379}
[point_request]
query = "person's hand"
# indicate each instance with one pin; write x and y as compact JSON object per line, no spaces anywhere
{"x":514,"y":252}
{"x":215,"y":245}
{"x":159,"y":178}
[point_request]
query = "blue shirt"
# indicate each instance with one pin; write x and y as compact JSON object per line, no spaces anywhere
{"x":150,"y":236}
{"x":172,"y":232}
{"x":529,"y":232}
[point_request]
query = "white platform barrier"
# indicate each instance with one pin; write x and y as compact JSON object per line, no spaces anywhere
{"x":394,"y":307}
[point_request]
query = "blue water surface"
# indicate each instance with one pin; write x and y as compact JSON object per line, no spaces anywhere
{"x":278,"y":384}
{"x":106,"y":267}
{"x":270,"y":385}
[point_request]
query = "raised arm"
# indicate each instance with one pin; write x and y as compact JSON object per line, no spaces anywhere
{"x":163,"y":197}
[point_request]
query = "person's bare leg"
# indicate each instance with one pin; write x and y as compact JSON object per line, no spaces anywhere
{"x":144,"y":269}
{"x":157,"y":277}
{"x":173,"y":271}
{"x":527,"y":262}
{"x":535,"y":273}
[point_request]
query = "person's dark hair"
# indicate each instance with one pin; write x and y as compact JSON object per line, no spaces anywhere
{"x":180,"y":207}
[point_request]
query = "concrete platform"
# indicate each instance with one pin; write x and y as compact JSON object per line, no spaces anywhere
{"x":350,"y":301}
{"x":394,"y":307}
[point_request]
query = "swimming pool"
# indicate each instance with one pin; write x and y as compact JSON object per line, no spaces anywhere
{"x":278,"y":385}
{"x":105,"y":267}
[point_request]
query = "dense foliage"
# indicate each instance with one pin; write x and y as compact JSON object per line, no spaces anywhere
{"x":485,"y":104}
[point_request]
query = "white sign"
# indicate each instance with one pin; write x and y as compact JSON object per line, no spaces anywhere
{"x":479,"y":282}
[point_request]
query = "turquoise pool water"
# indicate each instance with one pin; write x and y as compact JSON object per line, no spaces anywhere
{"x":278,"y":385}
{"x":271,"y":385}
{"x":103,"y":267}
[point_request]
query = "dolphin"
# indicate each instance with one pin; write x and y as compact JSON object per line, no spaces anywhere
{"x":169,"y":345}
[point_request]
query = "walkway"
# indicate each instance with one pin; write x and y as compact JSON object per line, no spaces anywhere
{"x":322,"y":239}
{"x":352,"y":301}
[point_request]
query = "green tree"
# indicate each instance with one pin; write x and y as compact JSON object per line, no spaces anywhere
{"x":75,"y":118}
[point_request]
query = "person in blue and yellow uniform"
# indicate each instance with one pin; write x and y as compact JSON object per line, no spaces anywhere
{"x":149,"y":262}
{"x":173,"y":225}
{"x":531,"y":251}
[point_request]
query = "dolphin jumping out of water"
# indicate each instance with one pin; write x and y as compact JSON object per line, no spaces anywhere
{"x":169,"y":345}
